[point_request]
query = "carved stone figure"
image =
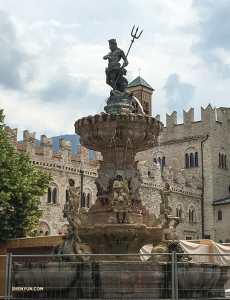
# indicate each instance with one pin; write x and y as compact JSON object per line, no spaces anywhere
{"x":74,"y":195}
{"x":121,"y":209}
{"x":72,"y":243}
{"x":68,"y":246}
{"x":135,"y":183}
{"x":115,"y":72}
{"x":120,"y":188}
{"x":75,"y":226}
{"x":120,"y":203}
{"x":152,"y":220}
{"x":102,"y":183}
{"x":171,"y":239}
{"x":165,"y":193}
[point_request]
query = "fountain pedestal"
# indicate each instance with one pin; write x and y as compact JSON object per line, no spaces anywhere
{"x":118,"y":137}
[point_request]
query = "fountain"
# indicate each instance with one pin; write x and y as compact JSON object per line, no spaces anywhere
{"x":118,"y":225}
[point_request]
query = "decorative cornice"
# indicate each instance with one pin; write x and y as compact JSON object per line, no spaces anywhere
{"x":181,"y":140}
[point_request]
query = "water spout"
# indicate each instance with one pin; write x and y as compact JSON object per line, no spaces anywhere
{"x":141,"y":107}
{"x":126,"y":147}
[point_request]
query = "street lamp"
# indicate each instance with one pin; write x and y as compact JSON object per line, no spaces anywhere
{"x":82,"y":200}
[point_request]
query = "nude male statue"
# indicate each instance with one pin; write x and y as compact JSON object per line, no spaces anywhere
{"x":115,"y":72}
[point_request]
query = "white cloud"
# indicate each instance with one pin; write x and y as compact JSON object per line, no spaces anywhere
{"x":54,"y":72}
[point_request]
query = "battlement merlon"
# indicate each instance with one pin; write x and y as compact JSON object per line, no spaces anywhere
{"x":29,"y":137}
{"x":11,"y":134}
{"x":188,"y":116}
{"x":46,"y":142}
{"x":65,"y":145}
{"x":171,"y":120}
{"x":208,"y":115}
{"x":82,"y":153}
{"x":223,"y":115}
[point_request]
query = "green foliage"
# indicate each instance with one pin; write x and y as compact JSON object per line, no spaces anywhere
{"x":20,"y":186}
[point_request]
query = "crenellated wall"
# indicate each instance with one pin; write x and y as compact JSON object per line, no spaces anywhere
{"x":185,"y":194}
{"x":206,"y":140}
{"x":63,"y":166}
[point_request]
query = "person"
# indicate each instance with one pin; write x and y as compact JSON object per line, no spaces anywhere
{"x":115,"y":72}
{"x":74,"y":195}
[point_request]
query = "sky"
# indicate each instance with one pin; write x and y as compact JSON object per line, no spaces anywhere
{"x":52,"y":70}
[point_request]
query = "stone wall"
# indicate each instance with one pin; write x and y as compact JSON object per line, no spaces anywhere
{"x":209,"y":137}
{"x":211,"y":134}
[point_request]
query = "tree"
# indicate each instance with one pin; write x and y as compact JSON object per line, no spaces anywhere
{"x":20,"y":186}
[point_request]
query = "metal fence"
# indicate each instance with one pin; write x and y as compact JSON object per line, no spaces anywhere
{"x":114,"y":276}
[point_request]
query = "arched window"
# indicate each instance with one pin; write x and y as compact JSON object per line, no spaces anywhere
{"x":161,"y":160}
{"x":49,"y":192}
{"x":178,"y":212}
{"x":43,"y":228}
{"x":222,"y":158}
{"x":192,"y":215}
{"x":54,"y":195}
{"x":219,"y":215}
{"x":63,"y":229}
{"x":191,"y":157}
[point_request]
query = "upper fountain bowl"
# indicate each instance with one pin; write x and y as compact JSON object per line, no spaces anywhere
{"x":104,"y":131}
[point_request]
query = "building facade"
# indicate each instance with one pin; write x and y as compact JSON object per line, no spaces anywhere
{"x":193,"y":157}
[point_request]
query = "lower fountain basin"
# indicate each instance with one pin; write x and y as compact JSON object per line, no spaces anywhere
{"x":121,"y":280}
{"x":50,"y":276}
{"x":201,"y":280}
{"x":132,"y":280}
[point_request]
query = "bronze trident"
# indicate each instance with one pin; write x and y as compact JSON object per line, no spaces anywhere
{"x":134,"y":36}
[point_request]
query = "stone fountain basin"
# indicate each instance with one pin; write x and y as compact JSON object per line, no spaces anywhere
{"x":50,"y":276}
{"x":132,"y":280}
{"x":198,"y":275}
{"x":102,"y":131}
{"x":119,"y":238}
